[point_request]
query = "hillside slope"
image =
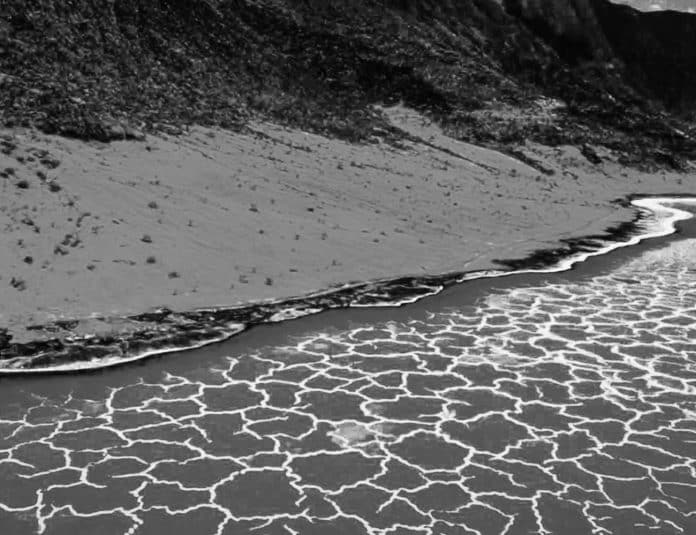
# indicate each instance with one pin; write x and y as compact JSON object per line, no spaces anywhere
{"x":105,"y":69}
{"x":656,"y":50}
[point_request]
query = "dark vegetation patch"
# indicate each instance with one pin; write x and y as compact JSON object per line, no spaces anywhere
{"x":113,"y":69}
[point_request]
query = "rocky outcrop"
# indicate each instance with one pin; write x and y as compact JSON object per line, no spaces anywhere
{"x":657,"y":50}
{"x":571,"y":27}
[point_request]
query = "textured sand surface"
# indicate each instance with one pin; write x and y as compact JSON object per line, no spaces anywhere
{"x":218,"y":218}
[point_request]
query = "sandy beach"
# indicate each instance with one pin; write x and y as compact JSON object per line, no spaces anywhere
{"x":219,"y":218}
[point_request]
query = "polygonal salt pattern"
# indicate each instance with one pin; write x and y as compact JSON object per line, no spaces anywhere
{"x":556,"y":408}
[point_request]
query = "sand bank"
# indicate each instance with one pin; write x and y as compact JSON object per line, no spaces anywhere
{"x":218,"y":218}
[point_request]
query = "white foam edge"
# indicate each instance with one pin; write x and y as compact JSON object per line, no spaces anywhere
{"x":663,"y":225}
{"x":114,"y":360}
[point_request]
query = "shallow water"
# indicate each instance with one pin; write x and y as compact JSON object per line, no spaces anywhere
{"x":539,"y":403}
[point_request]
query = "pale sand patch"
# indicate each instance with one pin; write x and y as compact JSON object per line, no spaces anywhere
{"x":232,"y":218}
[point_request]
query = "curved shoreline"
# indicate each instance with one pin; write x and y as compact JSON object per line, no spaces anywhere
{"x":175,"y":332}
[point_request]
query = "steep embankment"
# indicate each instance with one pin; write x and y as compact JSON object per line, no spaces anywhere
{"x":659,"y":50}
{"x":86,"y":68}
{"x":654,"y":52}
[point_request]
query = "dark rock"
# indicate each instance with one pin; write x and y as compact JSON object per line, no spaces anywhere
{"x":5,"y":338}
{"x":170,"y":129}
{"x":670,"y":159}
{"x":114,"y":132}
{"x":133,"y":134}
{"x":50,"y":163}
{"x":5,"y":79}
{"x":591,"y":154}
{"x":18,"y":284}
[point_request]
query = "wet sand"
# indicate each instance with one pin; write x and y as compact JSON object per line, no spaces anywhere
{"x":550,"y":402}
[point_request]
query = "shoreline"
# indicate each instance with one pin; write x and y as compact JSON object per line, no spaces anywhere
{"x":114,"y":247}
{"x":657,"y":217}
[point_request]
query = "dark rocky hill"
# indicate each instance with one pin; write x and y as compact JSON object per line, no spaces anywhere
{"x":658,"y":50}
{"x":492,"y":71}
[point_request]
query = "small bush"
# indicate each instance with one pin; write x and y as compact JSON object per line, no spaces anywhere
{"x":18,"y":284}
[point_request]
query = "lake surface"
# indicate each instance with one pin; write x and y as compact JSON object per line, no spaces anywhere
{"x":550,"y":403}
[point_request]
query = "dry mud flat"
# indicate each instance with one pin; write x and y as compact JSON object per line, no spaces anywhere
{"x":531,"y":403}
{"x":216,"y":218}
